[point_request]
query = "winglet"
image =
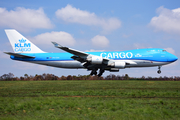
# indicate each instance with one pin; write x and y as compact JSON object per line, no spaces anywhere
{"x":57,"y":45}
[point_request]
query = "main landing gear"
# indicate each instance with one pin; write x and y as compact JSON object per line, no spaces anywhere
{"x":94,"y":72}
{"x":159,"y":71}
{"x":101,"y":71}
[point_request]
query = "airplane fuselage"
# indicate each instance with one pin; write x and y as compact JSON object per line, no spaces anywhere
{"x":140,"y":57}
{"x":25,"y":50}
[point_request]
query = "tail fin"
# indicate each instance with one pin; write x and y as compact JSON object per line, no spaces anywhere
{"x":20,"y":44}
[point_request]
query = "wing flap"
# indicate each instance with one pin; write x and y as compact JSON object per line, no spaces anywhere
{"x":19,"y":55}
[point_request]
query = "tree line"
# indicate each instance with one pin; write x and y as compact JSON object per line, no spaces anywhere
{"x":43,"y":77}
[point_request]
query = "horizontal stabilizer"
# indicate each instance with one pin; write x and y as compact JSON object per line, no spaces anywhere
{"x":19,"y":55}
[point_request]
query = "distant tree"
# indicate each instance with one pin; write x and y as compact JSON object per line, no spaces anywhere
{"x":25,"y":75}
{"x":11,"y":75}
{"x":4,"y":76}
{"x":53,"y":77}
{"x":44,"y":76}
{"x":21,"y":78}
{"x":160,"y":78}
{"x":69,"y":77}
{"x":1,"y":78}
{"x":118,"y":77}
{"x":74,"y":77}
{"x":149,"y":78}
{"x":165,"y":78}
{"x":7,"y":77}
{"x":38,"y":77}
{"x":171,"y":78}
{"x":111,"y":77}
{"x":126,"y":77}
{"x":63,"y":78}
{"x":114,"y":77}
{"x":31,"y":77}
{"x":16,"y":79}
{"x":143,"y":78}
{"x":176,"y":78}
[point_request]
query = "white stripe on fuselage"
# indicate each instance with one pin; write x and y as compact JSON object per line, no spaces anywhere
{"x":76,"y":64}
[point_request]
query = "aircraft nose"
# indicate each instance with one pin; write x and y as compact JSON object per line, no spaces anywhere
{"x":172,"y":58}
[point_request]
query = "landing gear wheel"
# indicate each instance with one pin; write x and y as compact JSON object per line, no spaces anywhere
{"x":99,"y":75}
{"x":159,"y":71}
{"x":100,"y":72}
{"x":93,"y":73}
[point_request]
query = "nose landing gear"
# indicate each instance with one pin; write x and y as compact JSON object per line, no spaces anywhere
{"x":159,"y":71}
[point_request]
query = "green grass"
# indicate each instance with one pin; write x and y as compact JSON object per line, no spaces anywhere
{"x":106,"y":100}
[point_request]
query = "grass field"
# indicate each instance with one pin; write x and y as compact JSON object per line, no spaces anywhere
{"x":107,"y":100}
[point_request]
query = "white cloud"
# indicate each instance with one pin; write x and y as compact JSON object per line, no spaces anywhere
{"x":61,"y":37}
{"x":24,"y":19}
{"x":126,"y":35}
{"x":73,"y":15}
{"x":170,"y":50}
{"x":167,"y":21}
{"x":140,"y":46}
{"x":100,"y":41}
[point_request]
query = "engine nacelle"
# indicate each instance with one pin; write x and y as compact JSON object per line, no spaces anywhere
{"x":95,"y":59}
{"x":116,"y":64}
{"x":114,"y":70}
{"x":119,"y":64}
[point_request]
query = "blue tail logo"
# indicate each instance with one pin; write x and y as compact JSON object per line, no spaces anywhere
{"x":22,"y":46}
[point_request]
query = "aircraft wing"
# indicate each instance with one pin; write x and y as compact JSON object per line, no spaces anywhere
{"x":19,"y":55}
{"x":72,"y":51}
{"x":78,"y":55}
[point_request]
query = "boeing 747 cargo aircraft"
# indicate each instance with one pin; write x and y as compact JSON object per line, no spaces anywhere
{"x":112,"y":61}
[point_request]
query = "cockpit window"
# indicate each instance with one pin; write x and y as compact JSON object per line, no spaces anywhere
{"x":164,"y":50}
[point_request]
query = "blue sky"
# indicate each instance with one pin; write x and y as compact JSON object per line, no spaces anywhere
{"x":83,"y":25}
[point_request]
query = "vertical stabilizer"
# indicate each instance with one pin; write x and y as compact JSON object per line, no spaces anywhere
{"x":20,"y":44}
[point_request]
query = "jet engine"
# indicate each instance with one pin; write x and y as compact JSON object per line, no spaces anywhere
{"x":95,"y":59}
{"x":120,"y":65}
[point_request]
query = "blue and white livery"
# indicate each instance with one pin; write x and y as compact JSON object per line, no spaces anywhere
{"x":26,"y":51}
